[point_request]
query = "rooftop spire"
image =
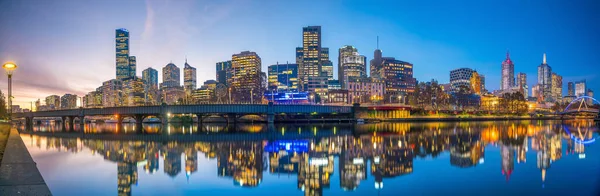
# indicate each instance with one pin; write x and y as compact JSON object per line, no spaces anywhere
{"x":544,"y":61}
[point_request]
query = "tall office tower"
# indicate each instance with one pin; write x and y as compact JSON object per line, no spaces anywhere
{"x":398,"y":77}
{"x":556,"y":87}
{"x":536,"y":92}
{"x":327,"y":67}
{"x":132,"y":65}
{"x":482,"y":80}
{"x":476,"y":83}
{"x":53,"y":102}
{"x":545,"y":80}
{"x":189,"y":78}
{"x":150,"y":77}
{"x":580,"y":88}
{"x":133,"y":92}
{"x":223,"y":72}
{"x":122,"y":53}
{"x":171,"y":76}
{"x":461,"y":78}
{"x":112,"y":93}
{"x":522,"y":84}
{"x":309,"y":63}
{"x":350,"y":65}
{"x":571,"y":89}
{"x":376,"y":63}
{"x":283,"y":78}
{"x":508,"y":73}
{"x":246,"y":77}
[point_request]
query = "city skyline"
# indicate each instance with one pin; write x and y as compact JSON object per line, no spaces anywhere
{"x":52,"y":74}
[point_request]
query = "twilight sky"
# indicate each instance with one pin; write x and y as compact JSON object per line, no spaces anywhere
{"x":66,"y":46}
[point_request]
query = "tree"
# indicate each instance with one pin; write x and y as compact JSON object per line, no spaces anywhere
{"x":3,"y":108}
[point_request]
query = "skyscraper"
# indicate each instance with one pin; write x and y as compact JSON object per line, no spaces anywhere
{"x":223,"y":72}
{"x":350,"y":65}
{"x":545,"y":80}
{"x":580,"y":88}
{"x":150,"y":77}
{"x":508,"y":73}
{"x":570,"y":89}
{"x":189,"y":78}
{"x":112,"y":95}
{"x":171,"y":76}
{"x":132,"y":65}
{"x":556,"y":87}
{"x":122,"y":53}
{"x":398,"y":77}
{"x":309,"y":57}
{"x":246,"y":79}
{"x":522,"y":84}
{"x":375,"y":63}
{"x":476,"y":83}
{"x":482,"y":80}
{"x":283,"y":77}
{"x":133,"y":92}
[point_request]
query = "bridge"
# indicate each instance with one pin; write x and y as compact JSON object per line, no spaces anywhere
{"x":580,"y":105}
{"x":231,"y":112}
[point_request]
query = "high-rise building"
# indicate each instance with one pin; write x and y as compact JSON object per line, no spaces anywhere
{"x":556,"y":87}
{"x":365,"y":90}
{"x":189,"y":78}
{"x":150,"y":77}
{"x":350,"y":65}
{"x":522,"y":84}
{"x":461,"y":78}
{"x":327,"y":67}
{"x":571,"y":89}
{"x":93,"y":99}
{"x":545,"y":80}
{"x":310,"y":57}
{"x":68,"y":101}
{"x":112,"y":93}
{"x":171,"y":76}
{"x":132,"y":65}
{"x":283,"y":78}
{"x":398,"y":77}
{"x":246,"y":77}
{"x":508,"y":73}
{"x":223,"y":72}
{"x":122,"y":53}
{"x":476,"y":83}
{"x":590,"y":93}
{"x":53,"y":102}
{"x":133,"y":92}
{"x":536,"y":92}
{"x":482,"y":80}
{"x":376,"y":63}
{"x":580,"y":88}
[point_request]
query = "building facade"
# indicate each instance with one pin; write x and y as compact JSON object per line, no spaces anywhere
{"x":133,"y":92}
{"x":580,"y":88}
{"x":556,"y":87}
{"x":508,"y":73}
{"x":112,"y":93}
{"x":246,"y":77}
{"x":93,"y":99}
{"x":460,"y":78}
{"x":571,"y":89}
{"x":171,"y":76}
{"x":522,"y":84}
{"x":122,"y":53}
{"x":189,"y":78}
{"x":223,"y":71}
{"x":68,"y":101}
{"x":350,"y":65}
{"x":366,"y":90}
{"x":150,"y":77}
{"x":53,"y":102}
{"x":283,"y":78}
{"x":476,"y":83}
{"x":132,"y":66}
{"x":311,"y":56}
{"x":398,"y":77}
{"x":545,"y":80}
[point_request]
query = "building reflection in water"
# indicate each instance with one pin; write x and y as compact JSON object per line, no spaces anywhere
{"x":307,"y":152}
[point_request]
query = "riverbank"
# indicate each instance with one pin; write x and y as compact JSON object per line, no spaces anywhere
{"x":468,"y":118}
{"x":4,"y":132}
{"x":19,"y":174}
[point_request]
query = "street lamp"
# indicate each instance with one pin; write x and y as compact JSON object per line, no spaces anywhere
{"x":10,"y":68}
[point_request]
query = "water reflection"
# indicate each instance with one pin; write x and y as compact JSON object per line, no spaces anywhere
{"x":309,"y":152}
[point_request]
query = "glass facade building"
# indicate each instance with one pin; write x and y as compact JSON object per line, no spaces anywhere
{"x":350,"y":65}
{"x":246,"y":78}
{"x":171,"y":76}
{"x":189,"y":78}
{"x":223,"y":71}
{"x":283,"y":78}
{"x":545,"y":80}
{"x":122,"y":53}
{"x":508,"y":73}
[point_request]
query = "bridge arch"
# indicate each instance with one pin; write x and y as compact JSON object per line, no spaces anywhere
{"x":579,"y":103}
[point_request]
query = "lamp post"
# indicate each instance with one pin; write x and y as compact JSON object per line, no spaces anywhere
{"x":10,"y":68}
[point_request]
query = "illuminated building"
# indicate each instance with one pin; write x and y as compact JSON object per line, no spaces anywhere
{"x":133,"y":91}
{"x":580,"y":88}
{"x":314,"y":173}
{"x":482,"y":80}
{"x":150,"y":77}
{"x":283,"y":78}
{"x":112,"y":95}
{"x":508,"y":73}
{"x":68,"y":101}
{"x":353,"y":166}
{"x":189,"y":78}
{"x":571,"y":89}
{"x":376,"y":63}
{"x":171,"y":76}
{"x":398,"y":77}
{"x":490,"y":102}
{"x":122,"y":53}
{"x":522,"y":84}
{"x":126,"y":176}
{"x":536,"y":92}
{"x":590,"y":93}
{"x":205,"y":94}
{"x":545,"y":80}
{"x":337,"y":96}
{"x":172,"y":95}
{"x":53,"y":102}
{"x":246,"y":79}
{"x":350,"y":65}
{"x":132,"y":66}
{"x":93,"y":99}
{"x":286,"y":97}
{"x":556,"y":87}
{"x":327,"y":67}
{"x":334,"y":85}
{"x":476,"y":83}
{"x":365,"y":90}
{"x":460,"y":78}
{"x":243,"y":161}
{"x":223,"y":71}
{"x":318,"y":84}
{"x":285,"y":155}
{"x":311,"y":57}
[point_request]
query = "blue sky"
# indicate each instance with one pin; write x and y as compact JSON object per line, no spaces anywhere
{"x":66,"y":46}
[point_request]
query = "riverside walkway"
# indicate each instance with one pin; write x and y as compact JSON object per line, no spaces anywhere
{"x":19,"y":174}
